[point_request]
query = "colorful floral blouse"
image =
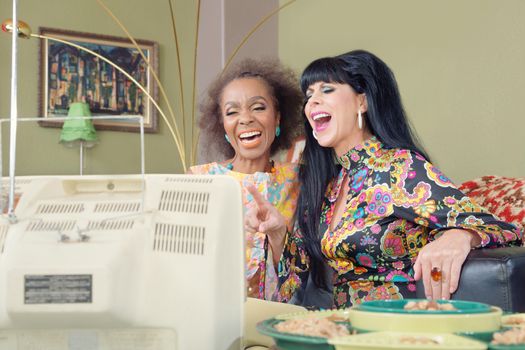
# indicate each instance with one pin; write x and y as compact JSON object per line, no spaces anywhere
{"x":279,"y":187}
{"x":397,"y":202}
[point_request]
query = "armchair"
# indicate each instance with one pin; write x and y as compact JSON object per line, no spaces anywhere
{"x":495,"y":276}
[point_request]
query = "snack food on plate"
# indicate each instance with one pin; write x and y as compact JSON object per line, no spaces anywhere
{"x":514,"y":321}
{"x":420,"y":340}
{"x":510,"y":337}
{"x":314,"y":327}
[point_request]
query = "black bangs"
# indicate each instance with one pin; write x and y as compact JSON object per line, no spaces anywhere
{"x":328,"y":69}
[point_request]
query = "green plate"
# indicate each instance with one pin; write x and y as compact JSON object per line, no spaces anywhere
{"x":397,"y":306}
{"x":287,"y":341}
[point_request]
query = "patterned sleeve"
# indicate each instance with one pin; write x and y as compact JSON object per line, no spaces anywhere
{"x":424,"y":195}
{"x":293,"y":267}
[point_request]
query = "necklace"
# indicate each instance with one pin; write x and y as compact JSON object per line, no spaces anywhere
{"x":229,"y":166}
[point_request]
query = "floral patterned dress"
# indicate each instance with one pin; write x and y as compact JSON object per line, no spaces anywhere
{"x":279,"y":187}
{"x":397,"y":202}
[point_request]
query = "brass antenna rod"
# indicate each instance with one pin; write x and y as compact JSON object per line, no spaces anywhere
{"x":194,"y":98}
{"x":177,"y":133}
{"x":179,"y":68}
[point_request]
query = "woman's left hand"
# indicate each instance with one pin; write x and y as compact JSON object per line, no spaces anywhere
{"x":262,"y":216}
{"x":446,"y":255}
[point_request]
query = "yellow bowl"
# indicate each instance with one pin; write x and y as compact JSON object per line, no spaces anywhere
{"x":506,"y":320}
{"x":441,"y":323}
{"x":405,"y":341}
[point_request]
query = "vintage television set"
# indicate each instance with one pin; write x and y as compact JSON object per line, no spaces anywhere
{"x":123,"y":262}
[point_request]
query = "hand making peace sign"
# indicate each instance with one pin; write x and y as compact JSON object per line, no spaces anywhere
{"x":262,"y":216}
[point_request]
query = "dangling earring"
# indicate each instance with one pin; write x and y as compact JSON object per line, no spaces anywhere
{"x":227,"y":138}
{"x":277,"y":131}
{"x":359,"y":120}
{"x":315,"y":134}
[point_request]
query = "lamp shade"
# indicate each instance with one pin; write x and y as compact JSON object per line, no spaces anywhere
{"x":78,"y":129}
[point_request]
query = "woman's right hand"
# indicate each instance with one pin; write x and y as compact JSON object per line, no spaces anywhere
{"x":262,"y":216}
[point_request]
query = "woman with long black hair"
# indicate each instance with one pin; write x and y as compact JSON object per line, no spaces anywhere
{"x":372,"y":206}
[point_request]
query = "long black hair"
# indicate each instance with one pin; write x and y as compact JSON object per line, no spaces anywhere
{"x":385,"y":119}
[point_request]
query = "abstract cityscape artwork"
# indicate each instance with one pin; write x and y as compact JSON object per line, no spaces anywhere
{"x":69,"y":74}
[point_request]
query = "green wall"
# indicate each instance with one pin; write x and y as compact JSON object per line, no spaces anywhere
{"x":117,"y":152}
{"x":460,"y":66}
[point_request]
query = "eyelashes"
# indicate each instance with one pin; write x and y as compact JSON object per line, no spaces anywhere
{"x":323,"y":89}
{"x":256,"y":108}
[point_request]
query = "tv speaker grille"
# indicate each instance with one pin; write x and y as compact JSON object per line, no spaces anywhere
{"x":179,"y":239}
{"x":60,"y":208}
{"x":184,"y":201}
{"x":111,"y":225}
{"x":189,"y":180}
{"x":42,"y":225}
{"x":118,"y":207}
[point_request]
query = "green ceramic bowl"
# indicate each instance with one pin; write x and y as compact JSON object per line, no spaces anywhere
{"x":397,"y":306}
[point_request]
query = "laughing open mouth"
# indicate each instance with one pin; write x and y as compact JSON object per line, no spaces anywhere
{"x":250,"y":136}
{"x":321,"y":121}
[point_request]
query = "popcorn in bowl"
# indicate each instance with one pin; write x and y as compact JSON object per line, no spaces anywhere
{"x":517,"y":320}
{"x":430,"y":305}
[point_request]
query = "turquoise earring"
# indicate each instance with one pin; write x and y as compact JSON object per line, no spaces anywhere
{"x":227,"y":138}
{"x":277,"y":131}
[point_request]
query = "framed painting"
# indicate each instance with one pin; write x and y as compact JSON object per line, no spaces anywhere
{"x":69,"y":74}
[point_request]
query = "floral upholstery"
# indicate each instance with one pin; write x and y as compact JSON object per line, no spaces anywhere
{"x":502,"y":196}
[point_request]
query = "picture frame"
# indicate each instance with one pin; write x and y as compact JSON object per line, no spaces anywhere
{"x":68,"y":74}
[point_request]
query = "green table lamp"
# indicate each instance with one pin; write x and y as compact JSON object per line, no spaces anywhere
{"x":78,"y":130}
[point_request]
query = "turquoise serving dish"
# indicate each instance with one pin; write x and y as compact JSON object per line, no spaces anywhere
{"x":287,"y":341}
{"x":397,"y":306}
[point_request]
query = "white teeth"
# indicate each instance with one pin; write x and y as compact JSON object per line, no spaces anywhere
{"x":321,"y":115}
{"x":249,"y":134}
